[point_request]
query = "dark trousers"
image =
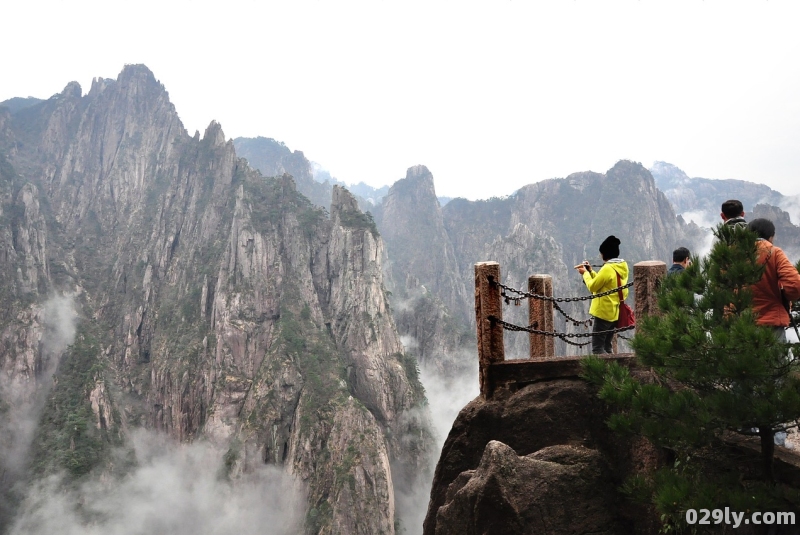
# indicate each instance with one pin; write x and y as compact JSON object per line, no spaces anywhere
{"x":601,"y":343}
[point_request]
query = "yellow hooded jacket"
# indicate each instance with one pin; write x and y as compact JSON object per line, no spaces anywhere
{"x":607,"y":307}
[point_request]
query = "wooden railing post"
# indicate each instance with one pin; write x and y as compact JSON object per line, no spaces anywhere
{"x":540,"y":316}
{"x":490,"y":334}
{"x":646,"y":281}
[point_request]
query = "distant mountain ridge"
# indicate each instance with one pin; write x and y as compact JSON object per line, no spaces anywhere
{"x":19,"y":103}
{"x":704,"y":194}
{"x":700,"y":199}
{"x":273,"y":158}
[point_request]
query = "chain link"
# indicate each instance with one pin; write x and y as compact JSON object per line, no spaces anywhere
{"x":575,"y":322}
{"x":570,"y":342}
{"x":525,"y":295}
{"x":511,"y":327}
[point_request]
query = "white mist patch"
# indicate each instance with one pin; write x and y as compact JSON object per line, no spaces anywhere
{"x":175,"y":489}
{"x":447,"y":394}
{"x":25,"y":385}
{"x":706,"y":221}
{"x":401,"y":305}
{"x":60,"y":318}
{"x":702,"y":218}
{"x":792,"y":206}
{"x":409,"y":342}
{"x":705,"y":247}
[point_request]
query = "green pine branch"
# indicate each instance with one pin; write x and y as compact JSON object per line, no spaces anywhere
{"x":715,"y":372}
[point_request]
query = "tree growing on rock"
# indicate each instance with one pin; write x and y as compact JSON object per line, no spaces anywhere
{"x":715,"y":375}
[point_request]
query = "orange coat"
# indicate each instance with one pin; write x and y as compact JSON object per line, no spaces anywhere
{"x":778,"y":273}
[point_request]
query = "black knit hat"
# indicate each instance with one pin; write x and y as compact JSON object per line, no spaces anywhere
{"x":610,"y":247}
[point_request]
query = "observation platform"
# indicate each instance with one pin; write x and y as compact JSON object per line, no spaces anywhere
{"x":496,"y":372}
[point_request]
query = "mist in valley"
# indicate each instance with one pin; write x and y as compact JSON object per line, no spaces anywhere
{"x":172,"y":488}
{"x":23,"y":394}
{"x":447,"y":393}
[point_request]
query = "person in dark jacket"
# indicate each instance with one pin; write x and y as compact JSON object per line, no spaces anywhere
{"x":733,"y":213}
{"x":680,"y":260}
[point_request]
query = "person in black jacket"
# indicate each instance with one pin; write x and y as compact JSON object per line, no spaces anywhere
{"x":733,"y":213}
{"x":680,"y":260}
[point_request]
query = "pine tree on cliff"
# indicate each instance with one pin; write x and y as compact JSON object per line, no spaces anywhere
{"x":716,"y":373}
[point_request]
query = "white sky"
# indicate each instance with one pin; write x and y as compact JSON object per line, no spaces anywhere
{"x":489,"y":95}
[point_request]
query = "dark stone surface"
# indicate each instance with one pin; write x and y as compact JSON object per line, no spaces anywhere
{"x":563,"y":461}
{"x":536,"y":493}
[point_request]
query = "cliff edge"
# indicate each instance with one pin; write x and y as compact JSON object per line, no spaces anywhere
{"x":539,"y":460}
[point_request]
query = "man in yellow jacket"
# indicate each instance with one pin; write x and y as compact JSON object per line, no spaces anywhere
{"x":605,"y":309}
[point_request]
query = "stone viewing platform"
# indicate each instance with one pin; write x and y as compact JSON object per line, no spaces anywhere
{"x":495,"y":372}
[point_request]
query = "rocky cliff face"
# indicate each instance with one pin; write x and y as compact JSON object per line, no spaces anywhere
{"x":212,"y":303}
{"x":582,"y":209}
{"x":419,"y":247}
{"x":787,"y":234}
{"x":431,"y":302}
{"x":537,"y":460}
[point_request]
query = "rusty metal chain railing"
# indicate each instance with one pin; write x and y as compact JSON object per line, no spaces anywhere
{"x":520,"y":295}
{"x":555,"y":334}
{"x":526,"y":295}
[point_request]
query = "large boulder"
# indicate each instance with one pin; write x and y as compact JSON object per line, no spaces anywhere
{"x":536,"y":493}
{"x":538,"y":460}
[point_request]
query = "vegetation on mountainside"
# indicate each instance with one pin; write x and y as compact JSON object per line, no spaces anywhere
{"x":717,"y":373}
{"x":69,"y":437}
{"x":8,"y":275}
{"x":270,"y":199}
{"x":357,"y":219}
{"x":319,"y":364}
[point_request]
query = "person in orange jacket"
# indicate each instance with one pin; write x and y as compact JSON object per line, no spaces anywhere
{"x":780,"y":276}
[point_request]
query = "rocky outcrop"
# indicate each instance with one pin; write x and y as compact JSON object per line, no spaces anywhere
{"x":430,"y":301}
{"x":355,"y":289}
{"x":541,"y":457}
{"x":507,"y":493}
{"x":418,"y":243}
{"x":787,"y":234}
